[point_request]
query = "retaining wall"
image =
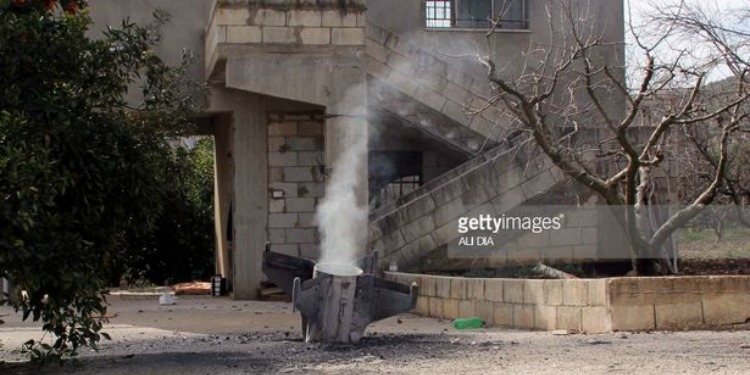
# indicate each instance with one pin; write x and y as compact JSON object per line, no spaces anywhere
{"x":587,"y":305}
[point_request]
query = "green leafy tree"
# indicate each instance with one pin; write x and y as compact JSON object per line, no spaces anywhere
{"x":180,"y":245}
{"x":80,"y":169}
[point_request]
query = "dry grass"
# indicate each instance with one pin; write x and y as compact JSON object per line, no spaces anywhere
{"x":702,"y":244}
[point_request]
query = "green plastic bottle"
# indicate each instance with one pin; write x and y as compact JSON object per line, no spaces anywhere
{"x":466,"y":323}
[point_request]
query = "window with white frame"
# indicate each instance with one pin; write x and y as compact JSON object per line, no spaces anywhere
{"x":475,"y":14}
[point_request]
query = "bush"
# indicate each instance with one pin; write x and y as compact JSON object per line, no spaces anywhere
{"x":180,"y":246}
{"x":81,"y":172}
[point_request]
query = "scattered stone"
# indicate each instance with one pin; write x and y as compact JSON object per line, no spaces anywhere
{"x":622,"y":336}
{"x":745,"y":346}
{"x":167,"y":300}
{"x":599,"y":342}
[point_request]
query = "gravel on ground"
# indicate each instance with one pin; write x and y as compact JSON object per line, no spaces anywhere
{"x":219,"y":336}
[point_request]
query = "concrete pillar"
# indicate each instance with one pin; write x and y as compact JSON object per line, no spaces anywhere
{"x":346,"y":124}
{"x":250,"y":205}
{"x":344,"y":234}
{"x":241,"y":134}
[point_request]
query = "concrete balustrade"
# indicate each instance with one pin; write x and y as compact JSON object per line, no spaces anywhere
{"x":282,"y":23}
{"x":426,"y":219}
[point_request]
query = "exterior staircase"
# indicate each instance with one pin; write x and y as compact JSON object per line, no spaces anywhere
{"x":426,"y":92}
{"x":421,"y":224}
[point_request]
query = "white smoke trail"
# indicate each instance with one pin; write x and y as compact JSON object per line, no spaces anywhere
{"x":341,"y":216}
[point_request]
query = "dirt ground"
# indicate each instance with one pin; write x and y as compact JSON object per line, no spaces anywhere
{"x":220,"y":336}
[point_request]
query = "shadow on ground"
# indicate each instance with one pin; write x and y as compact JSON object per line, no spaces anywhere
{"x":246,"y":354}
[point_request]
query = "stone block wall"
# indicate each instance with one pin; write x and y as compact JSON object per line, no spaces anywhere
{"x":274,"y":23}
{"x":574,"y":305}
{"x":575,"y":242}
{"x":586,"y":305}
{"x":246,"y":22}
{"x":679,"y":302}
{"x":295,"y":182}
{"x":426,"y":219}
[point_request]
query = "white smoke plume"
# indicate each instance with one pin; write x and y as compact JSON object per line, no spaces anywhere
{"x":342,"y":216}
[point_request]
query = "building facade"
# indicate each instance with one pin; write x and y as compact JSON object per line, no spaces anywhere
{"x":292,"y":82}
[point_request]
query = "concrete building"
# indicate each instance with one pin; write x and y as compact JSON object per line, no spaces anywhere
{"x":293,"y":80}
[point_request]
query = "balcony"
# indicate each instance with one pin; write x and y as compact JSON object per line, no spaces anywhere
{"x":239,"y":27}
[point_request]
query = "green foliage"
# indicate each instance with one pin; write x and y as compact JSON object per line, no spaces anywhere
{"x":79,"y":170}
{"x":180,"y":245}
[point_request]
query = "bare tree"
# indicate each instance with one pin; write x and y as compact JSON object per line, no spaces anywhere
{"x":728,"y":33}
{"x":592,"y":119}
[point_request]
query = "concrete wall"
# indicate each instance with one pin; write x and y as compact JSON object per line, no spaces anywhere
{"x":575,"y":305}
{"x":676,"y":303}
{"x":295,"y":181}
{"x":575,"y":242}
{"x":185,"y":30}
{"x":296,"y":42}
{"x":506,"y":45}
{"x":587,"y":305}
